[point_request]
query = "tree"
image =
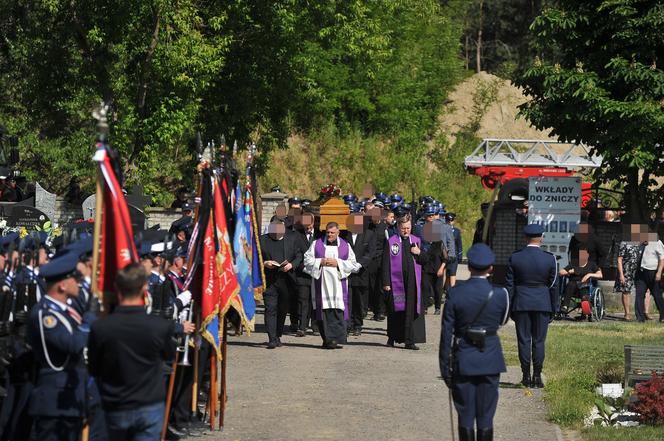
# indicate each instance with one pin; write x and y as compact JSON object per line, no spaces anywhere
{"x":598,"y":79}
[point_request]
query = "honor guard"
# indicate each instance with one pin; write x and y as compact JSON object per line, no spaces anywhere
{"x":470,"y":355}
{"x":58,"y":334}
{"x":532,"y":282}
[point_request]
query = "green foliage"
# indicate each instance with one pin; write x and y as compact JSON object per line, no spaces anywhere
{"x":599,"y":80}
{"x":622,"y":433}
{"x":575,"y":353}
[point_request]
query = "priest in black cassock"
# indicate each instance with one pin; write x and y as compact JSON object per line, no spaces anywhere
{"x":402,"y":275}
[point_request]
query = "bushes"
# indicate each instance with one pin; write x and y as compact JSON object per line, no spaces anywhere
{"x":649,"y":400}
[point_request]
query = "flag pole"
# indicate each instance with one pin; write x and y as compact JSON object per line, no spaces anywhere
{"x":102,"y":129}
{"x":169,"y":396}
{"x":222,"y":393}
{"x":212,"y":393}
{"x":197,"y":346}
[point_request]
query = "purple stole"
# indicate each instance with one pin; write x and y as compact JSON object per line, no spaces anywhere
{"x":396,"y":272}
{"x":319,"y":253}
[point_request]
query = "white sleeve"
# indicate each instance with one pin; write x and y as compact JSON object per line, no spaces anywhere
{"x":348,"y":266}
{"x":311,"y":264}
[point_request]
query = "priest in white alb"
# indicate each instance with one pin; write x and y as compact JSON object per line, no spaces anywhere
{"x":329,"y":261}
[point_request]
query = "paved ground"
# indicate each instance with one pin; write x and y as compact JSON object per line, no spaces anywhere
{"x":365,"y":391}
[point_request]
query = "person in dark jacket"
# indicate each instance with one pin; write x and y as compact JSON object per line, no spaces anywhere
{"x":472,"y":366}
{"x":533,"y":285}
{"x":58,"y":334}
{"x":362,"y":243}
{"x":306,"y":236}
{"x":281,"y":255}
{"x":126,"y":352}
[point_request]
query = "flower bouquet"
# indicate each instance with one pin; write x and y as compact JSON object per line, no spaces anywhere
{"x":332,"y":190}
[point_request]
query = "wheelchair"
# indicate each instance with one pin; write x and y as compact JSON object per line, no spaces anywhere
{"x":589,"y":300}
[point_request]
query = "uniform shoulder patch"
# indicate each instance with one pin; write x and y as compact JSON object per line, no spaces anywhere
{"x":49,"y":322}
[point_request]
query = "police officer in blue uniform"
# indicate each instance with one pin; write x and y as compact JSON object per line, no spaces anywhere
{"x":532,"y":282}
{"x":470,"y":355}
{"x":58,"y":334}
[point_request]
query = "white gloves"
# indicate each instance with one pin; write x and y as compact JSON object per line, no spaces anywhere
{"x":185,"y":297}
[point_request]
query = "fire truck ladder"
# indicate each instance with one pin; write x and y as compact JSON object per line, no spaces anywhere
{"x":494,"y":152}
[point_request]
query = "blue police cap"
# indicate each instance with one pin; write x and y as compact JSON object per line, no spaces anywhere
{"x":430,"y":210}
{"x":354,"y":207}
{"x":480,"y":256}
{"x":145,"y":249}
{"x":378,"y":203}
{"x":533,"y":230}
{"x":81,"y":247}
{"x":60,"y":268}
{"x":350,"y":197}
{"x":396,"y":197}
{"x":451,"y":216}
{"x":5,"y":241}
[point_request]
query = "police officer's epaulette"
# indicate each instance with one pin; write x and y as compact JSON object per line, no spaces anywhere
{"x":548,"y":252}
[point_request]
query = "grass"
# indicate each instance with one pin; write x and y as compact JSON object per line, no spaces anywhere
{"x":579,"y":356}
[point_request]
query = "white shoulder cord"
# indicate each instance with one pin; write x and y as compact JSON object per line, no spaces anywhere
{"x":43,"y":340}
{"x":507,"y":308}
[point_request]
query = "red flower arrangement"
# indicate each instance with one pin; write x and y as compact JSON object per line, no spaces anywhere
{"x":332,"y":190}
{"x":650,"y":400}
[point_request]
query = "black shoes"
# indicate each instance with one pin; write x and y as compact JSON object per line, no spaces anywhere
{"x":300,"y":333}
{"x":466,"y":434}
{"x":412,"y":347}
{"x":272,"y":345}
{"x":357,"y":332}
{"x":537,"y":382}
{"x":332,"y":344}
{"x":525,"y":380}
{"x":485,"y":434}
{"x":437,"y":311}
{"x":390,"y":342}
{"x":173,"y":434}
{"x":379,"y":318}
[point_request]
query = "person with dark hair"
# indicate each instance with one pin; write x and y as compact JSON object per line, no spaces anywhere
{"x":330,"y":261}
{"x":126,"y":352}
{"x":58,"y":335}
{"x":471,"y":368}
{"x":401,"y":277}
{"x":281,"y":256}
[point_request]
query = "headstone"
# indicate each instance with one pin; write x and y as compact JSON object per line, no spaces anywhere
{"x":89,"y":206}
{"x":137,"y":198}
{"x":44,"y":201}
{"x":28,"y":217}
{"x":137,"y":218}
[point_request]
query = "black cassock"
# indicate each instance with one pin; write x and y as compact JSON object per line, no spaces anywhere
{"x":405,"y":326}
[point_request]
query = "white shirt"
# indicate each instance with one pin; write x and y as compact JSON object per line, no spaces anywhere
{"x":652,"y":255}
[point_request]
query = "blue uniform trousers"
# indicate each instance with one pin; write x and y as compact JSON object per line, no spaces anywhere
{"x":476,"y":399}
{"x":531,"y":328}
{"x":58,"y":428}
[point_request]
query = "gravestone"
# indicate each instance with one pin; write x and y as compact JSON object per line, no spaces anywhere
{"x":137,"y":218}
{"x":137,"y":198}
{"x":44,"y":201}
{"x":28,"y":217}
{"x":89,"y":207}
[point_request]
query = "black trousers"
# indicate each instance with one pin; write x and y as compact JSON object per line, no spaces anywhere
{"x":303,"y":306}
{"x":432,"y":287}
{"x":377,"y":296}
{"x":359,"y":297}
{"x":58,"y":428}
{"x":277,"y":304}
{"x":645,"y":279}
{"x":184,"y":381}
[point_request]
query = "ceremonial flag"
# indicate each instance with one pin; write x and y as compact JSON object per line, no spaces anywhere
{"x":211,"y":278}
{"x":242,"y":247}
{"x":116,"y":237}
{"x":257,"y":272}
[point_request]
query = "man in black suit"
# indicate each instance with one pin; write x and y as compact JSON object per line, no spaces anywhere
{"x":362,"y":243}
{"x":378,"y":227}
{"x":281,"y":255}
{"x":305,"y":234}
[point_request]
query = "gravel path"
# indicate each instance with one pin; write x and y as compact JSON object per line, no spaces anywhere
{"x":365,"y":391}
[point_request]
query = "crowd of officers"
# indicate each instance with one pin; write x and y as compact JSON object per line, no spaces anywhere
{"x":371,"y":222}
{"x":66,"y":369}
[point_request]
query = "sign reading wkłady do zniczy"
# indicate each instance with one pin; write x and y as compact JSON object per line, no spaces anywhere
{"x":555,"y":203}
